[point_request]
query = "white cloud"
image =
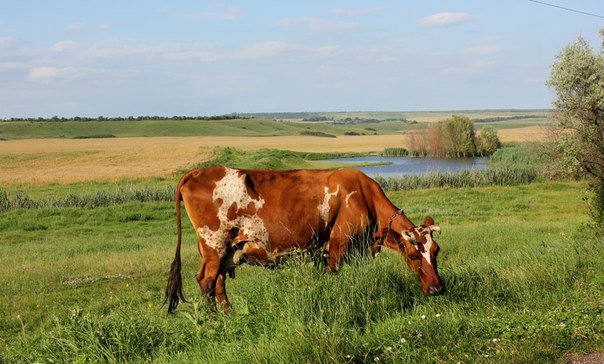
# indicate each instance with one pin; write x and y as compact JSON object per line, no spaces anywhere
{"x":8,"y":66}
{"x":440,"y":19}
{"x":358,"y":11}
{"x":5,"y":41}
{"x":221,"y":11}
{"x":75,"y":27}
{"x":473,"y":68}
{"x":319,"y":23}
{"x":275,"y":49}
{"x":269,"y":49}
{"x":485,"y":49}
{"x":63,"y":46}
{"x":42,"y":73}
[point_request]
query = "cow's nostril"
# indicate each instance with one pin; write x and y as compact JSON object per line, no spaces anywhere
{"x":434,"y":290}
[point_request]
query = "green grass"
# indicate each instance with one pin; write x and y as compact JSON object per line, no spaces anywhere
{"x":155,"y":128}
{"x":273,"y":159}
{"x":86,"y":285}
{"x":387,"y":123}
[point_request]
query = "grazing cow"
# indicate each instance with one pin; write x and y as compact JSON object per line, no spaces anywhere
{"x":255,"y":216}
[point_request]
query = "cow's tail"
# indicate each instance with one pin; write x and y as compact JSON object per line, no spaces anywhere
{"x":174,"y":287}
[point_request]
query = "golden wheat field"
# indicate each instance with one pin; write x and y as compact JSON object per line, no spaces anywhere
{"x":69,"y":160}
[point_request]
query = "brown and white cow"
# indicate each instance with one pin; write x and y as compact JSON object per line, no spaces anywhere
{"x":255,"y":216}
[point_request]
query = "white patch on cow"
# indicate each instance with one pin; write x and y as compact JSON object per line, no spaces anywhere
{"x":324,"y":207}
{"x":427,"y":247}
{"x":214,"y":239}
{"x":348,"y":196}
{"x":231,"y":190}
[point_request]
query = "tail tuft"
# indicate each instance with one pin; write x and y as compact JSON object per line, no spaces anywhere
{"x":174,"y":288}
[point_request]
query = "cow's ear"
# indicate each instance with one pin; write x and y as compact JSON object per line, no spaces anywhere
{"x":428,"y":221}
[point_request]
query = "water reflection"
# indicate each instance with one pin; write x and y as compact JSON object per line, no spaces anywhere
{"x":404,"y":165}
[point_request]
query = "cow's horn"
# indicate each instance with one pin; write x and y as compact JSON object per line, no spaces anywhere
{"x":434,"y":228}
{"x":409,"y":238}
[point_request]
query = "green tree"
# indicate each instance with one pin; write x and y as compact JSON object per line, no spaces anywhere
{"x":487,"y":142}
{"x":577,"y":77}
{"x":459,"y":137}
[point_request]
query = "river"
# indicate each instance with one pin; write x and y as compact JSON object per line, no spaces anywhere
{"x":400,"y":166}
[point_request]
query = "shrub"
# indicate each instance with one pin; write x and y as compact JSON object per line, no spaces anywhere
{"x":316,"y":133}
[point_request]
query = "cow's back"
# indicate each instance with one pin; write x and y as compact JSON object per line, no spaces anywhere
{"x":287,"y":208}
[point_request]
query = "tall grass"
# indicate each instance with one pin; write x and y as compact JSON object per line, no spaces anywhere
{"x":517,"y":155}
{"x":120,"y":195}
{"x":394,"y":152}
{"x":524,"y":280}
{"x":506,"y":176}
{"x":371,"y":309}
{"x":512,"y":165}
{"x":267,"y":158}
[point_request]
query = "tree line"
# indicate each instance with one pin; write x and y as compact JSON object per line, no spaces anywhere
{"x":507,"y":118}
{"x":454,"y":138}
{"x":131,"y":118}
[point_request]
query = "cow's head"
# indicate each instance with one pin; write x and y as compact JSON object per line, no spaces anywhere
{"x":419,"y":249}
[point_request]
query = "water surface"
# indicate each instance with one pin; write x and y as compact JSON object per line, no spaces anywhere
{"x":400,"y":166}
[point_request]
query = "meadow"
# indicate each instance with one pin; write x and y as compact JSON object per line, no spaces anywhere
{"x":279,"y":124}
{"x":182,"y":128}
{"x":524,"y":278}
{"x":85,"y":261}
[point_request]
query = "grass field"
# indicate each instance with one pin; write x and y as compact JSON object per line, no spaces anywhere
{"x":420,"y":116}
{"x":387,"y":123}
{"x":86,"y":250}
{"x":525,"y":280}
{"x":158,"y":128}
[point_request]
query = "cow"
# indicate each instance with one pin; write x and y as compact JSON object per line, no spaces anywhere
{"x":257,"y":216}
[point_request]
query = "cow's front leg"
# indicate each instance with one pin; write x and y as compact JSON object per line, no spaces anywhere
{"x":221,"y":295}
{"x":338,"y":246}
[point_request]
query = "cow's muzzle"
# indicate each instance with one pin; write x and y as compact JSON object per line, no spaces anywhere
{"x":437,"y":289}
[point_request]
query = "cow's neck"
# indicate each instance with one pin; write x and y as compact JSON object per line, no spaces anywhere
{"x":385,"y":210}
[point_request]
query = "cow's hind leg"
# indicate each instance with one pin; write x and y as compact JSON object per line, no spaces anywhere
{"x":208,"y":274}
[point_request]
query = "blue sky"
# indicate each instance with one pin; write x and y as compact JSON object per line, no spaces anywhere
{"x":121,"y":58}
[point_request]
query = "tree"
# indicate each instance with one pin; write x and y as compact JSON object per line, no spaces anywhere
{"x":459,"y":137}
{"x":487,"y":142}
{"x":451,"y":138}
{"x":577,"y":77}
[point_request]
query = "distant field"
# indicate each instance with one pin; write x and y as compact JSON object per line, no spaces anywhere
{"x":69,"y":160}
{"x":359,"y":123}
{"x":40,"y":152}
{"x":526,"y":134}
{"x":157,"y":128}
{"x":420,"y":116}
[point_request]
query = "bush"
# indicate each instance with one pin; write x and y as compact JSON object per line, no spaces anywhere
{"x":394,"y":152}
{"x":317,"y":133}
{"x":94,"y":136}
